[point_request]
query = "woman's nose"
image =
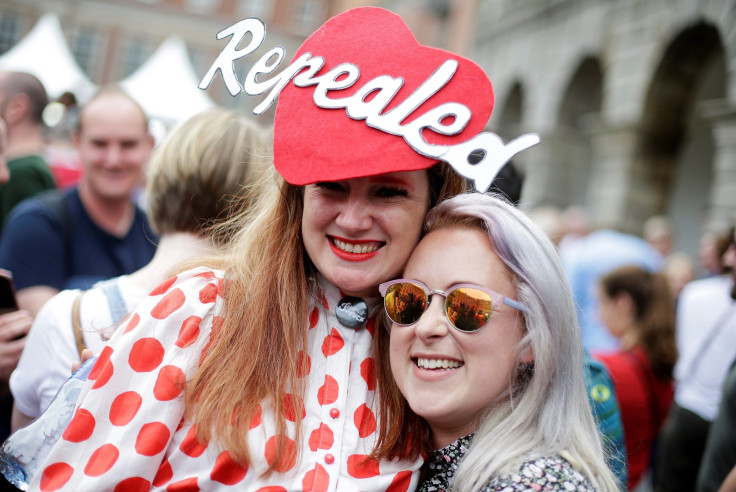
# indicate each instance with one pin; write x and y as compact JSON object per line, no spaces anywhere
{"x":356,"y":214}
{"x":433,"y":323}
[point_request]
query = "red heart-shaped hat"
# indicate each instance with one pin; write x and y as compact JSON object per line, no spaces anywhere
{"x":314,"y":144}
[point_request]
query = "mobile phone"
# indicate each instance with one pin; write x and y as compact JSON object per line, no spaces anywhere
{"x":7,"y":292}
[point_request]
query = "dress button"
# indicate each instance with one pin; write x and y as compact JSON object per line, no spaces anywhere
{"x":334,"y":413}
{"x":329,"y":459}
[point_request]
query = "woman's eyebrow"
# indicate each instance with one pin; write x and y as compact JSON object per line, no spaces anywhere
{"x":391,"y":180}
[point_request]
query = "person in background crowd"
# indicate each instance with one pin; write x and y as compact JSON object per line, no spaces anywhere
{"x":13,"y":326}
{"x":719,"y":459}
{"x":706,"y":342}
{"x":197,"y":178}
{"x":595,"y":255}
{"x":486,"y":351}
{"x":637,"y":308}
{"x":710,"y":253}
{"x":74,"y":238}
{"x":657,"y":231}
{"x":680,"y":271}
{"x":22,"y":101}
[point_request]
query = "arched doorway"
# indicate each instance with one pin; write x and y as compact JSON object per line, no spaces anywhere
{"x":578,"y":113}
{"x":675,"y":161}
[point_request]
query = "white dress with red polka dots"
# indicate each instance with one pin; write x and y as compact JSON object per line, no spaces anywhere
{"x":128,"y":433}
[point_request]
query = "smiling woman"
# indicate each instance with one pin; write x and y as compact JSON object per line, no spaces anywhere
{"x":487,"y":358}
{"x":257,"y":368}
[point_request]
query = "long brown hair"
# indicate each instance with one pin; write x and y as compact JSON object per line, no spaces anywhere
{"x":263,"y":330}
{"x":654,"y":313}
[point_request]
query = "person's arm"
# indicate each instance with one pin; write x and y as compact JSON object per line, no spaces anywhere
{"x":729,"y":484}
{"x":33,"y":298}
{"x":33,"y":249}
{"x":14,"y":327}
{"x":18,"y":419}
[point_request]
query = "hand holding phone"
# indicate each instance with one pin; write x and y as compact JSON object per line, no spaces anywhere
{"x":7,"y":292}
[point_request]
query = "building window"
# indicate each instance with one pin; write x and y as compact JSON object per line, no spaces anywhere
{"x":10,"y":26}
{"x":135,"y":52}
{"x":308,"y":14}
{"x":261,"y":9}
{"x":86,"y":48}
{"x":201,"y":6}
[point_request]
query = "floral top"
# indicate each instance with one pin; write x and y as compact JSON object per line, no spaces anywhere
{"x":129,"y":431}
{"x":547,"y":473}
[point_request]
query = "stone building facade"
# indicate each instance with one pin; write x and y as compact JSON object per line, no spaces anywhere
{"x":635,"y":100}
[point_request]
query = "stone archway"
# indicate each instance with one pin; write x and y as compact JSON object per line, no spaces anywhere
{"x":579,"y":111}
{"x":673,"y":169}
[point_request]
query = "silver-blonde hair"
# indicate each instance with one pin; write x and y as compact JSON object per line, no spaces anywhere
{"x":547,"y":412}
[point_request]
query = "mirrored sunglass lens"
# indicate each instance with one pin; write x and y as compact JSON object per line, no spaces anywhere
{"x":405,"y":303}
{"x":468,"y":309}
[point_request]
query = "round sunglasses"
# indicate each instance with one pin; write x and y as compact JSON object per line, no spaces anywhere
{"x":468,"y":307}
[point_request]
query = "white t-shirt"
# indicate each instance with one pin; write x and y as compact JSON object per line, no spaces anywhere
{"x":50,"y":349}
{"x":706,"y":341}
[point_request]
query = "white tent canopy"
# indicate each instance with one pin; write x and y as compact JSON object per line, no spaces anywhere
{"x":166,"y":84}
{"x":44,"y":53}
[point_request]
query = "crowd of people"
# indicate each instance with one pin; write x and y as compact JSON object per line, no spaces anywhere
{"x":378,"y":326}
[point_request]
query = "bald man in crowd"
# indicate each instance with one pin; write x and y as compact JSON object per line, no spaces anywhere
{"x":73,"y":238}
{"x":22,"y":101}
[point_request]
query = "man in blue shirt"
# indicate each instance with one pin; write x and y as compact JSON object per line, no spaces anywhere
{"x":73,"y":238}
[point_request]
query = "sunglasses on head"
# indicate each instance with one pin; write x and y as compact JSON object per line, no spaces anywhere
{"x":468,"y":307}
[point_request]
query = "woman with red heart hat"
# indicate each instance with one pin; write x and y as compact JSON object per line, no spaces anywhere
{"x":257,"y":372}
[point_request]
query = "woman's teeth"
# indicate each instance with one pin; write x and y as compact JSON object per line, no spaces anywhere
{"x":356,"y":248}
{"x":438,"y":363}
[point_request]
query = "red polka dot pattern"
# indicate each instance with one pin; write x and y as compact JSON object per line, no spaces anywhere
{"x":101,"y":460}
{"x":163,"y":287}
{"x":287,"y":456}
{"x":303,"y":364}
{"x":189,"y":332}
{"x":368,"y":373}
{"x":146,"y":355}
{"x":164,"y":474}
{"x":316,"y":480}
{"x":321,"y":438}
{"x":133,"y":484}
{"x":103,"y":369}
{"x":81,"y":426}
{"x":170,"y":303}
{"x":124,"y":408}
{"x":313,"y":318}
{"x":294,"y":408}
{"x":133,"y":434}
{"x":186,"y":485}
{"x":152,"y":439}
{"x":208,"y":294}
{"x":55,"y":476}
{"x":255,"y":420}
{"x":371,"y":326}
{"x":132,"y":323}
{"x":329,"y":391}
{"x":191,"y":446}
{"x":169,"y":383}
{"x":364,"y":420}
{"x":361,"y":466}
{"x":401,"y":482}
{"x":332,"y":343}
{"x":227,"y":471}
